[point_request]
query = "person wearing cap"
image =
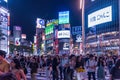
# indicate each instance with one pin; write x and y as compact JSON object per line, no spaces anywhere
{"x":4,"y":65}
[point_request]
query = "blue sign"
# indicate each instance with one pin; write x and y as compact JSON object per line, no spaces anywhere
{"x":64,"y":17}
{"x":42,"y":22}
{"x":76,"y":30}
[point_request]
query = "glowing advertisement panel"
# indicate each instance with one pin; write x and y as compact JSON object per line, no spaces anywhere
{"x":4,"y":29}
{"x":17,"y":41}
{"x":64,"y":17}
{"x":49,"y":29}
{"x":40,"y":23}
{"x":64,"y":34}
{"x":100,"y":16}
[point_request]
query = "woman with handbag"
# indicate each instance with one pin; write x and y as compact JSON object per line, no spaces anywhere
{"x":80,"y":68}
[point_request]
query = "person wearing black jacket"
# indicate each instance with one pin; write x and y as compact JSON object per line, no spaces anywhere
{"x":33,"y":67}
{"x":55,"y":64}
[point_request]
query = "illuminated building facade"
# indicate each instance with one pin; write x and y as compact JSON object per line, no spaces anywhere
{"x":102,"y":23}
{"x":4,"y":26}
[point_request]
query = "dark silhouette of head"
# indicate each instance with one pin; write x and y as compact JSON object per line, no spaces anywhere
{"x":3,"y":53}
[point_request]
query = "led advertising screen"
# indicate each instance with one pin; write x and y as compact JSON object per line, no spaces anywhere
{"x":23,"y":36}
{"x":100,"y":16}
{"x":4,"y":29}
{"x":40,"y":23}
{"x":64,"y":17}
{"x":49,"y":29}
{"x":76,"y":33}
{"x":17,"y":41}
{"x":64,"y":34}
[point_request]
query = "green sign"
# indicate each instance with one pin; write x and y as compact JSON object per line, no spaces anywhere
{"x":49,"y":29}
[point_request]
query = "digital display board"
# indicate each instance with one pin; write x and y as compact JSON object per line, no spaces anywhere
{"x":100,"y":16}
{"x":64,"y":17}
{"x":17,"y":41}
{"x":76,"y":30}
{"x":64,"y":34}
{"x":49,"y":29}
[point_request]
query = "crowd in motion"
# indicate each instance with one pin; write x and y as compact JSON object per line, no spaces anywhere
{"x":60,"y":67}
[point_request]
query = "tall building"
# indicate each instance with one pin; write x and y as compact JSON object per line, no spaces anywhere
{"x":50,"y":40}
{"x":63,"y":34}
{"x":39,"y":40}
{"x":102,"y":26}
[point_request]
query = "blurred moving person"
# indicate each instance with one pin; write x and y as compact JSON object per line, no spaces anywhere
{"x":4,"y":65}
{"x":34,"y":68}
{"x":17,"y":70}
{"x":101,"y":70}
{"x":115,"y":71}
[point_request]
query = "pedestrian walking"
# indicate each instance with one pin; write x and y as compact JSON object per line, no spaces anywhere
{"x":100,"y":70}
{"x":34,"y":68}
{"x":91,"y":67}
{"x":115,"y":71}
{"x":17,"y":70}
{"x":81,"y":74}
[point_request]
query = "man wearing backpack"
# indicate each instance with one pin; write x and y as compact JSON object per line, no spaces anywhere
{"x":91,"y":66}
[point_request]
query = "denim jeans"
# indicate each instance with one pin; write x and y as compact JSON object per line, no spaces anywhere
{"x":91,"y":74}
{"x":55,"y":75}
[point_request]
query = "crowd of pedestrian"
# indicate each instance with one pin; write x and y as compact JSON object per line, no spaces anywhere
{"x":60,"y":67}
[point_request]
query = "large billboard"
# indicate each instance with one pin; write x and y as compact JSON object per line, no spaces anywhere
{"x":4,"y":29}
{"x":100,"y":16}
{"x":64,"y":17}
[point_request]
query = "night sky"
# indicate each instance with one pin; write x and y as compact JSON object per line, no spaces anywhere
{"x":24,"y":13}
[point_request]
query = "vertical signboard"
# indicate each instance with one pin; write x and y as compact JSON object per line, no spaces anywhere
{"x":3,"y":29}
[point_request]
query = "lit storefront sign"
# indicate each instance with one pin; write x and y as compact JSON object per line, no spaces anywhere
{"x":100,"y":16}
{"x":64,"y":34}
